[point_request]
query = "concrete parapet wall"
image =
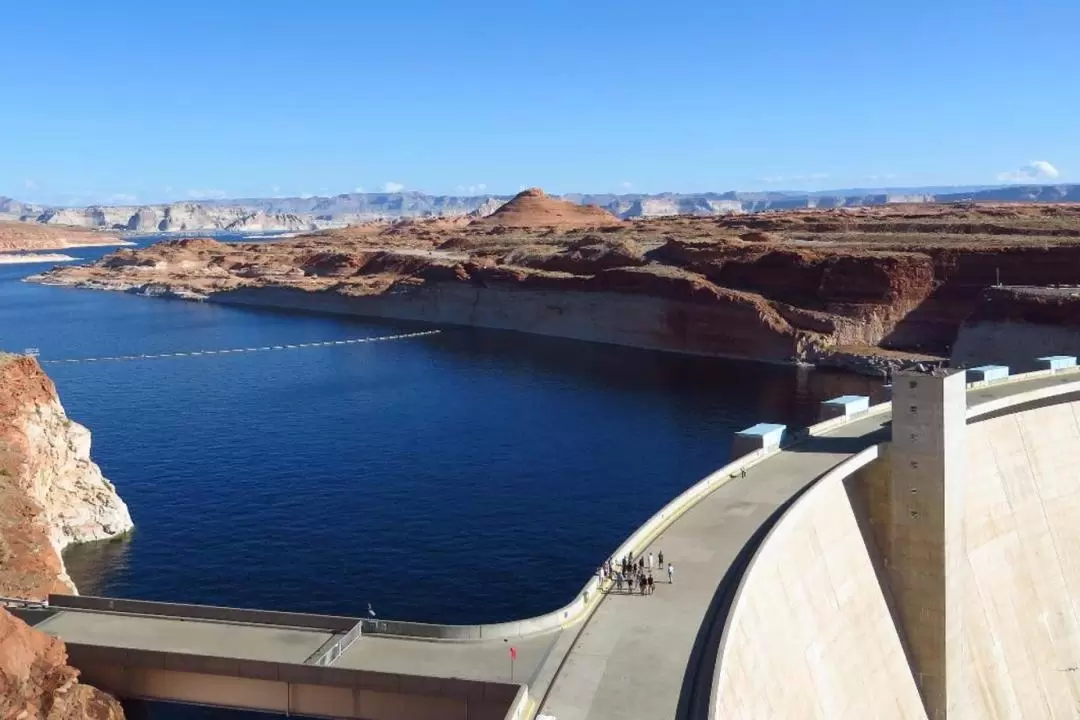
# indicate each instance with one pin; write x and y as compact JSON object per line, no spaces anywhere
{"x":203,"y":612}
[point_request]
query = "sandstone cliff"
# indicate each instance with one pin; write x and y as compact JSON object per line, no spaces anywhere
{"x":36,"y":683}
{"x":51,"y":495}
{"x":1015,"y":325}
{"x":51,"y":492}
{"x":867,"y":288}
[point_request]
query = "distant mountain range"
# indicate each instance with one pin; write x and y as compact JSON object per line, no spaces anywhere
{"x":312,"y":213}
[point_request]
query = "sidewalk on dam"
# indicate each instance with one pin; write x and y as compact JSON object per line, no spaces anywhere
{"x":631,"y":659}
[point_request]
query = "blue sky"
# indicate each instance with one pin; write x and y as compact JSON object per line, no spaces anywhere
{"x":145,"y":101}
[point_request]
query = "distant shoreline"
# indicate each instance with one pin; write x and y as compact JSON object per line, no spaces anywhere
{"x":115,"y":243}
{"x":10,"y":258}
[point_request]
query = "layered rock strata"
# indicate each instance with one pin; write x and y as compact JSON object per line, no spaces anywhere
{"x":870,"y":289}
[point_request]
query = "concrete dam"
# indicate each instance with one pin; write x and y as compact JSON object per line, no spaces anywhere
{"x":914,"y":559}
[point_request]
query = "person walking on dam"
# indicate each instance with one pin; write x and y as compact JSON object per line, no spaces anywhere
{"x":650,"y":561}
{"x":670,"y":573}
{"x":660,"y":557}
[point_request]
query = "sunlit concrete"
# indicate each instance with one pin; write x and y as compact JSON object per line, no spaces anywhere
{"x":195,"y":637}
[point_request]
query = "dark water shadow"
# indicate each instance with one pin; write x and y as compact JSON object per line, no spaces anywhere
{"x":92,"y":566}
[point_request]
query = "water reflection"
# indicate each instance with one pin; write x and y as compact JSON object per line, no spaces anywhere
{"x":92,"y":566}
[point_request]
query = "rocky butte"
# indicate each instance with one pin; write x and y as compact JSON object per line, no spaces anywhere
{"x":51,"y":495}
{"x":864,"y":288}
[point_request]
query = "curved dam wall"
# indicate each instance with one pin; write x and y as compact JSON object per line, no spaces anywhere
{"x":826,"y":625}
{"x":1021,"y":581}
{"x":811,"y":634}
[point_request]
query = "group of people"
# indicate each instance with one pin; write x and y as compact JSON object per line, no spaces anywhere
{"x":634,"y":573}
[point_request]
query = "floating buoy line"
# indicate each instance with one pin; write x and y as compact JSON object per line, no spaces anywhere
{"x":265,"y":348}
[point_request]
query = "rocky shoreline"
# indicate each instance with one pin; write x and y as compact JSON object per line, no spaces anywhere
{"x":52,"y":495}
{"x":55,"y":494}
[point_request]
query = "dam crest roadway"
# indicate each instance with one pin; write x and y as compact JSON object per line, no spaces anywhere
{"x":855,"y":569}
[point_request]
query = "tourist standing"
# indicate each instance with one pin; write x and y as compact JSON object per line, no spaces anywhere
{"x":650,"y":560}
{"x":670,"y":574}
{"x":661,"y":559}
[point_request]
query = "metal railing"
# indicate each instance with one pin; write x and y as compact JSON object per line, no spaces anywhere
{"x":24,"y":603}
{"x":327,"y":657}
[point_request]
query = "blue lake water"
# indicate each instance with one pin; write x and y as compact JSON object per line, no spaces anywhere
{"x":463,"y":477}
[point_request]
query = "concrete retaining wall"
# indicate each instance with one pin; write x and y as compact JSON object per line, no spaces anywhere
{"x":282,"y":687}
{"x":203,"y":612}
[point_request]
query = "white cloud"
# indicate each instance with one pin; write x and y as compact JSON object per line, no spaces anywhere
{"x":121,"y":199}
{"x":793,"y":179}
{"x":1033,"y":171}
{"x":882,"y":176}
{"x":30,"y":184}
{"x":358,"y":189}
{"x":207,"y":194}
{"x":626,"y":184}
{"x":392,"y":187}
{"x":476,"y":189}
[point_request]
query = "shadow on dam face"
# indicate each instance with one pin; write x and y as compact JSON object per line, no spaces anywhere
{"x":841,"y":445}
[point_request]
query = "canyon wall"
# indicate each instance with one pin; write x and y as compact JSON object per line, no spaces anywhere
{"x":733,"y":326}
{"x":51,"y":495}
{"x":1013,"y":325}
{"x":51,"y":492}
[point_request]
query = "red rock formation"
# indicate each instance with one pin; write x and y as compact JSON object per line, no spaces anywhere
{"x":777,"y":286}
{"x":36,"y":683}
{"x":532,"y":209}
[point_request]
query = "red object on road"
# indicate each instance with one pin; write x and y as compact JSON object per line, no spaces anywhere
{"x":513,"y":653}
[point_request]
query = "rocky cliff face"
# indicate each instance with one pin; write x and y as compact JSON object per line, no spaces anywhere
{"x":51,"y":495}
{"x":51,"y":492}
{"x":1015,"y":325}
{"x":36,"y":683}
